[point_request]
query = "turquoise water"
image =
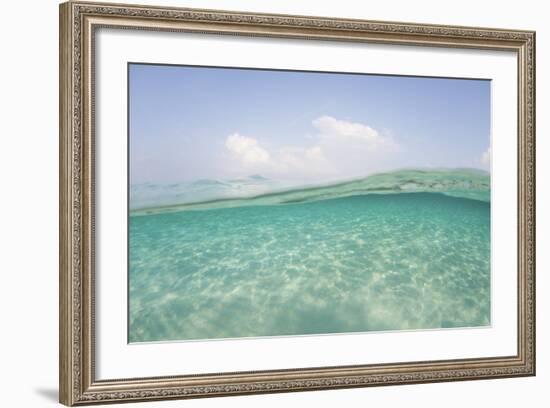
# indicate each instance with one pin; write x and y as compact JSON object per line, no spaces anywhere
{"x":405,"y":250}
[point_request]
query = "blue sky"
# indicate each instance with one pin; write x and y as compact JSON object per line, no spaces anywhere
{"x":190,"y":123}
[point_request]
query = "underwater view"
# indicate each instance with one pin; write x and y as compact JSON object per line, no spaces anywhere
{"x":271,"y":202}
{"x":395,"y":251}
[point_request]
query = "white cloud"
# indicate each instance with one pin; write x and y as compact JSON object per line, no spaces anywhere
{"x":346,"y":130}
{"x":339,"y":149}
{"x":247,"y":149}
{"x":315,"y":153}
{"x":302,"y":162}
{"x":486,"y":157}
{"x":352,"y":132}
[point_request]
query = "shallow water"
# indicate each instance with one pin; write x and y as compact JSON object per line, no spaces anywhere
{"x":363,"y":262}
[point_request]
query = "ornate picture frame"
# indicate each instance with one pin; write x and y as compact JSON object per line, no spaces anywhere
{"x":79,"y":22}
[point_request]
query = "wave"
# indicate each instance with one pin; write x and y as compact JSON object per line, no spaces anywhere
{"x":464,"y":183}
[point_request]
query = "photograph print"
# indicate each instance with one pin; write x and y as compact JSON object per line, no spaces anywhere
{"x":286,"y":203}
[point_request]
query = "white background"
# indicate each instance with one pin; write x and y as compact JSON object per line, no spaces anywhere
{"x":28,"y":213}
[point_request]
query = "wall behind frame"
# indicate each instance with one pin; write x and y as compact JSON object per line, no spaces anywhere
{"x":28,"y":204}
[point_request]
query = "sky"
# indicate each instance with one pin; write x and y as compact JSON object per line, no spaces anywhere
{"x":195,"y":123}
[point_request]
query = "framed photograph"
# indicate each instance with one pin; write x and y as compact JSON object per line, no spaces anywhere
{"x":256,"y":203}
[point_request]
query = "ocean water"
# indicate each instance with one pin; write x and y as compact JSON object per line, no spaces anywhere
{"x":396,"y":251}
